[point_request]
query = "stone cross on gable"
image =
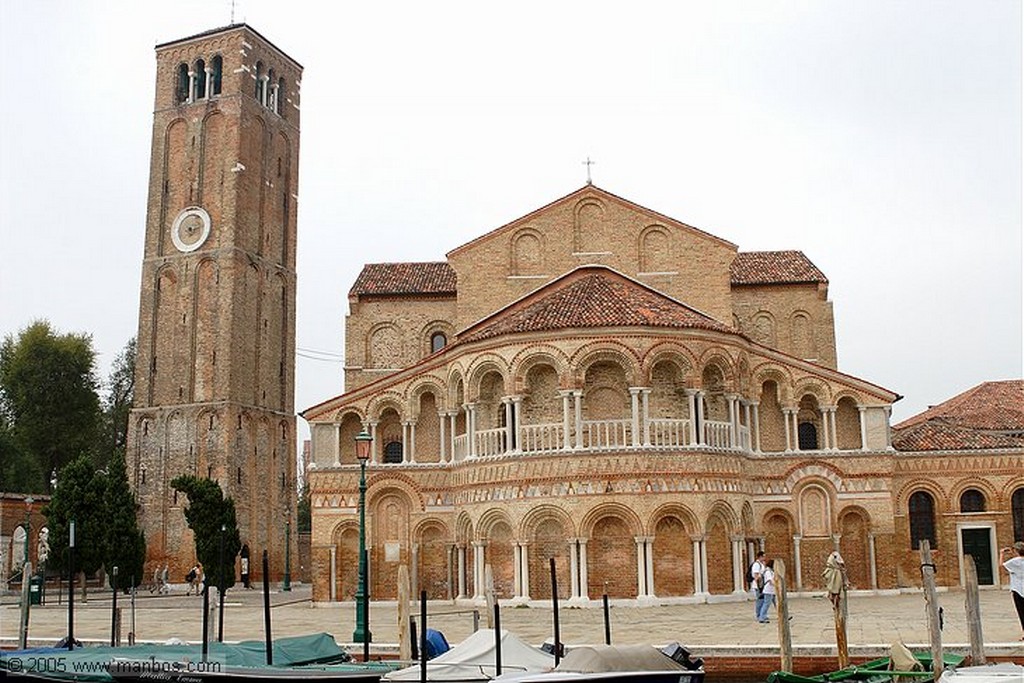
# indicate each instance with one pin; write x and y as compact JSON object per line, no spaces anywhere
{"x":588,"y":163}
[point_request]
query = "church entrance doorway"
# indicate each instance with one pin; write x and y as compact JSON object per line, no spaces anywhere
{"x":977,"y":542}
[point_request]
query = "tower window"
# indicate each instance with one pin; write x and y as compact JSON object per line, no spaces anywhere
{"x":217,"y":67}
{"x":200,"y":72}
{"x":260,"y":92}
{"x":280,"y":97}
{"x":437,"y":342}
{"x":181,"y":86}
{"x":271,"y":101}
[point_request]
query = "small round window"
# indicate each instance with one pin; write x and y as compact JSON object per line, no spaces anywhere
{"x":437,"y":342}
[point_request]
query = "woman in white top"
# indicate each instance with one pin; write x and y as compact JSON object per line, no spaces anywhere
{"x":1015,"y":567}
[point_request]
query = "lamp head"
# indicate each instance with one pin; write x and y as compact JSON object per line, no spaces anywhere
{"x":363,"y":443}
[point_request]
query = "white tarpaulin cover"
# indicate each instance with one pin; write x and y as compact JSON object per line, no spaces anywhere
{"x":600,"y":658}
{"x":474,"y":660}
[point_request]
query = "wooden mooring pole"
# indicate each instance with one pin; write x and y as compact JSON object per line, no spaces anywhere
{"x":931,"y":600}
{"x":785,"y":636}
{"x":973,"y":607}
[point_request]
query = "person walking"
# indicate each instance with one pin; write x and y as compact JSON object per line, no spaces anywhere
{"x":164,"y":586}
{"x":768,"y":592}
{"x":1015,"y":567}
{"x":756,"y":570}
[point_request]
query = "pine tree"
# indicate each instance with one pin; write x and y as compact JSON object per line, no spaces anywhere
{"x":125,"y":544}
{"x":207,"y":512}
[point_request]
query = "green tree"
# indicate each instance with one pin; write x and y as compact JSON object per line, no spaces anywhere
{"x":118,"y":402}
{"x":208,"y":510}
{"x":124,"y":543}
{"x":48,"y":392}
{"x":79,"y":497}
{"x":19,"y":473}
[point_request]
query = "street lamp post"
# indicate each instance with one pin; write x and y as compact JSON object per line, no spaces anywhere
{"x":223,"y":586}
{"x":362,"y":633}
{"x":28,"y":529}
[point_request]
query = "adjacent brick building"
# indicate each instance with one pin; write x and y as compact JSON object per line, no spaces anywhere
{"x":641,"y":400}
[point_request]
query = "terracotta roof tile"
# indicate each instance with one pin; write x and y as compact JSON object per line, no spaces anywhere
{"x":433,"y":278}
{"x":774,"y":268}
{"x":990,"y":415}
{"x":593,"y":297}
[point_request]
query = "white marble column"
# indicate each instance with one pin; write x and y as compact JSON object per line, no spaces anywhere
{"x":734,"y":434}
{"x":374,"y":446}
{"x":337,"y":444}
{"x":699,"y":400}
{"x":641,"y":566}
{"x":755,"y":425}
{"x":453,"y":417}
{"x":788,"y":423}
{"x":649,"y":564}
{"x":872,"y":562}
{"x":478,"y":570}
{"x":405,"y":442}
{"x":704,"y":565}
{"x":566,"y":419}
{"x":698,"y":586}
{"x":584,"y":577}
{"x":470,"y":409}
{"x":264,"y":90}
{"x":525,"y":557}
{"x":577,"y":395}
{"x":191,"y":86}
{"x":441,"y":433}
{"x":634,"y":413}
{"x":798,"y":569}
{"x":510,"y":427}
{"x":333,"y":593}
{"x":461,"y":551}
{"x":645,"y":417}
{"x":517,"y":423}
{"x":574,"y":568}
{"x":517,"y":573}
{"x":692,"y":412}
{"x":209,"y":82}
{"x":737,"y":565}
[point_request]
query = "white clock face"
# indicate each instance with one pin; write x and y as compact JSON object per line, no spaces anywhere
{"x":190,"y":229}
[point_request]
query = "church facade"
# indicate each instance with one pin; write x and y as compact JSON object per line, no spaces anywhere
{"x":642,"y":401}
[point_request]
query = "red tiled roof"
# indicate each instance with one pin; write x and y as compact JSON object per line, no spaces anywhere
{"x":431,"y":278}
{"x":588,"y":297}
{"x":774,"y":268}
{"x":990,"y":415}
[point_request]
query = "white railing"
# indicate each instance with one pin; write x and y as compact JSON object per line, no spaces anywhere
{"x":668,"y":433}
{"x":744,"y":432}
{"x":542,"y":438}
{"x":607,"y":433}
{"x":461,"y":447}
{"x":490,"y":441}
{"x":718,"y":434}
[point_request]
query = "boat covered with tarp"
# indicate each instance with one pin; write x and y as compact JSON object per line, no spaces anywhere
{"x":901,"y":666}
{"x":619,"y":664}
{"x":476,"y":658}
{"x":315,"y":656}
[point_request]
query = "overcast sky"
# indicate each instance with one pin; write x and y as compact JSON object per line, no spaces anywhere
{"x":883,"y":139}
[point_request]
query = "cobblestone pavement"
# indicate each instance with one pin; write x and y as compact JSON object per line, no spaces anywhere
{"x":874,"y":620}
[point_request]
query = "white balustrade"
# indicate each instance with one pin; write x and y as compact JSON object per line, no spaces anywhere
{"x":541,"y":438}
{"x":669,"y":433}
{"x":718,"y":434}
{"x":598,"y":434}
{"x":490,"y":441}
{"x":461,"y":447}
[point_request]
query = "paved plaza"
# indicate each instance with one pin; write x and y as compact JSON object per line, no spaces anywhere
{"x":875,"y":621}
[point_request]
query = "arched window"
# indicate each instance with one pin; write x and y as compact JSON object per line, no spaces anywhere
{"x":437,"y":342}
{"x":217,"y":65}
{"x":181,"y":86}
{"x":972,"y":500}
{"x":281,"y":104}
{"x":807,"y":436}
{"x":200,"y":71}
{"x":1017,"y":509}
{"x":260,"y":83}
{"x":271,"y":101}
{"x":393,"y":452}
{"x":922,"y":519}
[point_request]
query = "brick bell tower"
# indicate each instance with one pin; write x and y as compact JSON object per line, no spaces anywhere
{"x":215,"y":374}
